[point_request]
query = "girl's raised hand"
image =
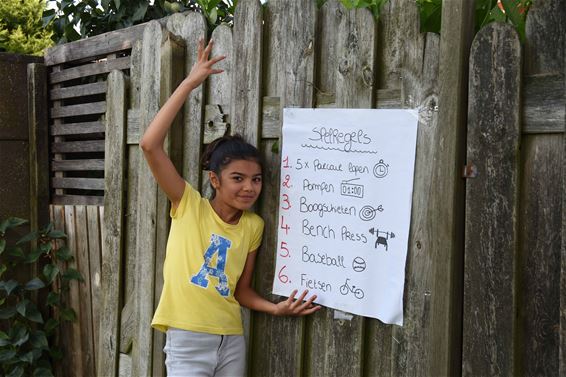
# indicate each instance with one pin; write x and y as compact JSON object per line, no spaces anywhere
{"x":203,"y":66}
{"x":297,"y":307}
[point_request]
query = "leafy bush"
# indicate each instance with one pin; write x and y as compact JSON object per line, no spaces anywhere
{"x":511,"y":11}
{"x":26,"y":347}
{"x":21,"y":29}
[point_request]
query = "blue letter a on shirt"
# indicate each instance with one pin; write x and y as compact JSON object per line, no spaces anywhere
{"x":218,"y":245}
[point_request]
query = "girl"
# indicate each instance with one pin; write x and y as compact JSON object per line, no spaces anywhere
{"x":212,"y":247}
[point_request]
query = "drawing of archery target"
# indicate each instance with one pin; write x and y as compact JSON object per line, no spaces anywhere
{"x":368,"y":213}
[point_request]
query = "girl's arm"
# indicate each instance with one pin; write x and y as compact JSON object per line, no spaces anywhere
{"x":249,"y":298}
{"x":151,"y":143}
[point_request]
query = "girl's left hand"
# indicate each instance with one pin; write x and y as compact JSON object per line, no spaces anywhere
{"x":297,"y":307}
{"x":203,"y":66}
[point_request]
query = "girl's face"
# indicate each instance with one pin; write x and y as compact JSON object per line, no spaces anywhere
{"x":239,"y":185}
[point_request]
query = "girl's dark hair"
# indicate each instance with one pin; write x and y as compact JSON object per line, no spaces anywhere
{"x":226,"y":149}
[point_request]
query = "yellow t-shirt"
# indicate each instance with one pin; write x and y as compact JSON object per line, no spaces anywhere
{"x":205,"y":258}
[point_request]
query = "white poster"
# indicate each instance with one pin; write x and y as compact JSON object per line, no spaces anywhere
{"x":345,"y":205}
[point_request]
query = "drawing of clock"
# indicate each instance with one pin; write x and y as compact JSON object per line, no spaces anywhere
{"x":380,"y":169}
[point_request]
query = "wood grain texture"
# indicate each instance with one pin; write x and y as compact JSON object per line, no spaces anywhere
{"x":103,"y":44}
{"x":91,"y":69}
{"x":150,"y":97}
{"x":77,"y":200}
{"x":95,"y":255}
{"x":492,"y":231}
{"x":355,"y":48}
{"x":443,"y":225}
{"x":78,"y":146}
{"x":73,"y":348}
{"x":112,"y":247}
{"x":246,"y":71}
{"x":78,"y":91}
{"x":541,"y":192}
{"x":81,"y":165}
{"x":562,"y":326}
{"x":82,"y":128}
{"x":543,"y":104}
{"x":193,"y":29}
{"x":38,"y":145}
{"x":289,"y":58}
{"x":77,"y":110}
{"x":172,"y":73}
{"x":78,"y":183}
{"x":84,"y":316}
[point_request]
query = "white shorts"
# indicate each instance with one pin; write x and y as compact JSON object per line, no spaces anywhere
{"x":190,"y":353}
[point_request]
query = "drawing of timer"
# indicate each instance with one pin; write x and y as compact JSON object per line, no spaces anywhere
{"x":380,"y":169}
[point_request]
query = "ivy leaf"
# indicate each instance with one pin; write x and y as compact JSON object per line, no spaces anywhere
{"x":56,"y":234}
{"x":21,"y":307}
{"x":72,"y":274}
{"x":15,"y":252}
{"x":18,"y":371}
{"x":6,"y":355}
{"x":28,"y":237}
{"x":10,"y":223}
{"x":42,"y":372}
{"x":4,"y":339}
{"x":34,"y":284}
{"x":3,"y":269}
{"x":46,"y":247}
{"x":2,"y":245}
{"x":64,"y":254}
{"x":56,"y":353}
{"x":68,"y":314}
{"x":50,"y":325}
{"x":39,"y":341}
{"x":53,"y":298}
{"x":141,"y":9}
{"x":19,"y":335}
{"x":7,"y":313}
{"x":27,"y":357}
{"x":50,"y":271}
{"x":9,"y":286}
{"x":33,"y":256}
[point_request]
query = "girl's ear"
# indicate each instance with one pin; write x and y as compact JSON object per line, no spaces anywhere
{"x":214,"y":181}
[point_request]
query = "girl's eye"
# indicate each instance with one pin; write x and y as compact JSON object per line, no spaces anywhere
{"x":257,"y":180}
{"x":237,"y":179}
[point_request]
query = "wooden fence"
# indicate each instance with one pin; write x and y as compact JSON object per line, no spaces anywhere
{"x":485,"y":275}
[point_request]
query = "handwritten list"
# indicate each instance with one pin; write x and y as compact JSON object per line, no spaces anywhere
{"x":345,"y":205}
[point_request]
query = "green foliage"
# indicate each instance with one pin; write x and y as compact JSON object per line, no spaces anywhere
{"x":511,"y":11}
{"x":21,"y":29}
{"x":373,"y":5}
{"x":27,"y":349}
{"x":93,"y":17}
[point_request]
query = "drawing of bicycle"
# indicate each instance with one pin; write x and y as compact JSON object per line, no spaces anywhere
{"x":345,"y":289}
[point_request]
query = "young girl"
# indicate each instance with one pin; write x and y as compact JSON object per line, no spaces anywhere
{"x":212,"y":247}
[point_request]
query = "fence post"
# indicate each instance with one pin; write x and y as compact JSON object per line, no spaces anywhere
{"x":491,"y":239}
{"x":114,"y":179}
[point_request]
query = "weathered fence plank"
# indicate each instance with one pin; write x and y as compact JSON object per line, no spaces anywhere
{"x":355,"y":42}
{"x":193,"y":29}
{"x":78,"y":146}
{"x":99,"y":45}
{"x":543,"y":104}
{"x":492,"y":231}
{"x":112,"y":249}
{"x":443,"y":223}
{"x":78,"y":91}
{"x":84,"y":317}
{"x":72,"y":346}
{"x":541,"y":191}
{"x":153,"y":39}
{"x":69,"y":165}
{"x":77,"y":199}
{"x":247,"y":66}
{"x":89,"y":70}
{"x":172,"y":73}
{"x":94,"y":254}
{"x":289,"y":74}
{"x":77,"y":128}
{"x":78,"y":183}
{"x":77,"y":110}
